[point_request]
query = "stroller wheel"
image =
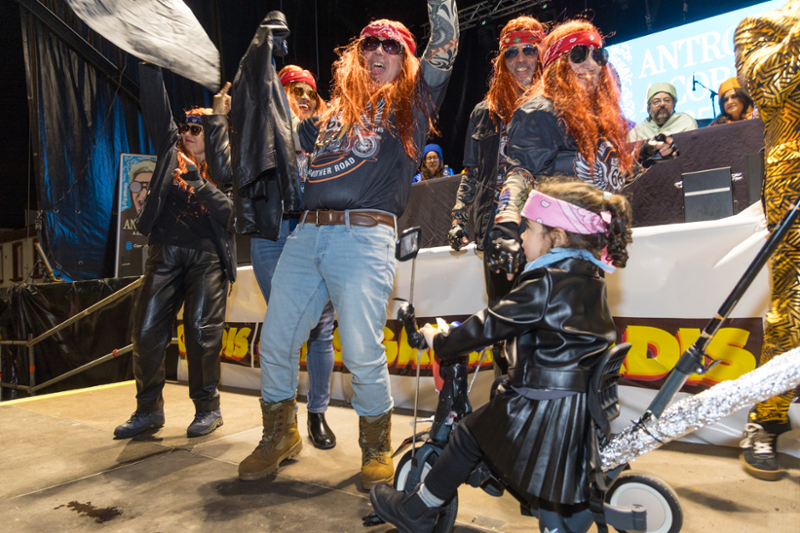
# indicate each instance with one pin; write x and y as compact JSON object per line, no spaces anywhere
{"x":447,"y":520}
{"x":664,"y":513}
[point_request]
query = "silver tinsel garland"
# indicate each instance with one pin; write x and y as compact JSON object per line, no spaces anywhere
{"x":694,"y":412}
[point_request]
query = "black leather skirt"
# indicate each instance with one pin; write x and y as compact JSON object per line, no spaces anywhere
{"x":543,"y":449}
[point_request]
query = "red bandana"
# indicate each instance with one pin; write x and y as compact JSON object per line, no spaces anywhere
{"x":389,"y":31}
{"x":591,"y":39}
{"x":521,"y":37}
{"x":296,"y":76}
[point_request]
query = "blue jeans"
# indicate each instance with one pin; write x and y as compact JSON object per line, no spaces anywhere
{"x":320,"y":356}
{"x":354,"y":268}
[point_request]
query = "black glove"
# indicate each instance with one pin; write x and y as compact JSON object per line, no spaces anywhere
{"x":406,"y":315}
{"x":192,"y":177}
{"x":648,"y":154}
{"x":505,"y":255}
{"x":455,"y":235}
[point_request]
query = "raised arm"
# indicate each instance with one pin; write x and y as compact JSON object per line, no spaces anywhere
{"x":156,"y":111}
{"x":443,"y":44}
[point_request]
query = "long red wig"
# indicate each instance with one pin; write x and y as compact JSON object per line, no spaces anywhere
{"x":355,"y":93}
{"x":589,"y":114}
{"x":202,"y":168}
{"x":504,"y":91}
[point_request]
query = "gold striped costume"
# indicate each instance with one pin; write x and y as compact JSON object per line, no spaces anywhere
{"x":768,"y":62}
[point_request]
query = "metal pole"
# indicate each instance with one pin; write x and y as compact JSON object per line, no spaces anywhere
{"x":693,"y":359}
{"x":89,"y":310}
{"x":31,"y":366}
{"x":87,"y":366}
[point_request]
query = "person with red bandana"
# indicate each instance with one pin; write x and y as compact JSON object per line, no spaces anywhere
{"x":516,"y":67}
{"x":570,"y":124}
{"x":363,"y":150}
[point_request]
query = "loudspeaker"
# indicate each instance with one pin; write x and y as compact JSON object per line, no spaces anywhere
{"x":707,"y":195}
{"x":754,"y":175}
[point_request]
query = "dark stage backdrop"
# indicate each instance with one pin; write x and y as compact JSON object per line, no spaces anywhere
{"x":80,"y":122}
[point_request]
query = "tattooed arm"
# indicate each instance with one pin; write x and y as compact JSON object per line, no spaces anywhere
{"x":443,"y":44}
{"x":466,"y":196}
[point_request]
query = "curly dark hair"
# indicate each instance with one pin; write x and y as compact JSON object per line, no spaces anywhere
{"x":579,"y":193}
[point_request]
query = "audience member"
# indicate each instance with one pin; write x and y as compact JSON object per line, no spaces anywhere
{"x":735,"y":103}
{"x":432,"y":164}
{"x":661,"y":101}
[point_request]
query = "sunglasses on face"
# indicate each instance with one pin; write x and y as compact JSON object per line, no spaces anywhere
{"x":511,"y":53}
{"x":390,"y":46}
{"x":580,"y":53}
{"x":137,"y":186}
{"x":309,"y":93}
{"x":193,"y":128}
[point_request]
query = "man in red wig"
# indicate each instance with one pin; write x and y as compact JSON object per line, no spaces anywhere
{"x":363,"y":150}
{"x":515,"y":69}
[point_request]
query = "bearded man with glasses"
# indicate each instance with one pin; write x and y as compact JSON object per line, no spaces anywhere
{"x":661,"y":101}
{"x":515,"y":68}
{"x":363,"y":150}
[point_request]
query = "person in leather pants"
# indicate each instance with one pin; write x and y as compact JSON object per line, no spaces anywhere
{"x":191,"y":258}
{"x":516,"y":67}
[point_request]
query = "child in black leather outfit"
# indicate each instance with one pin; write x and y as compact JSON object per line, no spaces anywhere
{"x":536,"y":432}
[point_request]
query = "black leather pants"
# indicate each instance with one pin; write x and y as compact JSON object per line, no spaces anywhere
{"x":196,"y":279}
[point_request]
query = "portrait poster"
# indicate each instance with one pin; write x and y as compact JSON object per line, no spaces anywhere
{"x":135,"y":172}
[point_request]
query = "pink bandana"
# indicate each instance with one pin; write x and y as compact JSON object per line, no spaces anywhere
{"x":555,"y":213}
{"x":296,"y":76}
{"x":384,"y":30}
{"x":591,"y":39}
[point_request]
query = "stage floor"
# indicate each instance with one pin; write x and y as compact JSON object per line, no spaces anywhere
{"x":62,"y":470}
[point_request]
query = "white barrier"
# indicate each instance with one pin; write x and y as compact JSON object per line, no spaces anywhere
{"x":676,"y":279}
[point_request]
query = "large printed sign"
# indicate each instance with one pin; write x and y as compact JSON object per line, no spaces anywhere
{"x":702,"y":49}
{"x":134,"y":176}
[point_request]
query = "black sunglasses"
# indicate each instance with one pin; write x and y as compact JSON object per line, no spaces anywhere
{"x":299,"y":92}
{"x":580,"y":53}
{"x":193,"y":128}
{"x":390,"y":46}
{"x":511,"y":53}
{"x":137,"y":186}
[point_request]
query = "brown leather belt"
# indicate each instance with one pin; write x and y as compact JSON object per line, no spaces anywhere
{"x":357,"y":218}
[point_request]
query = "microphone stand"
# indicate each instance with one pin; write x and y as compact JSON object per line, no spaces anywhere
{"x":713,"y":94}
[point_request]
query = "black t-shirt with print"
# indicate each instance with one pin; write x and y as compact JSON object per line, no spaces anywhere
{"x":366,"y":168}
{"x":184,"y":222}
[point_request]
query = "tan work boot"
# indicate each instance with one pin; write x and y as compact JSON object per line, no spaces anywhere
{"x":280,"y":441}
{"x":375,"y":438}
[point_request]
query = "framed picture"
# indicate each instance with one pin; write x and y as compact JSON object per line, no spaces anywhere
{"x":135,"y":172}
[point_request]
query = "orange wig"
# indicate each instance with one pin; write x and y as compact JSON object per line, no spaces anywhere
{"x":288,"y":90}
{"x":356,"y":97}
{"x":589,"y":114}
{"x":504,"y":91}
{"x":202,"y":168}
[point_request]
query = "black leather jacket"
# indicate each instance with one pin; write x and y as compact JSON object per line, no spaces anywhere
{"x":556,"y":322}
{"x":262,"y":148}
{"x":481,"y":153}
{"x":163,"y":132}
